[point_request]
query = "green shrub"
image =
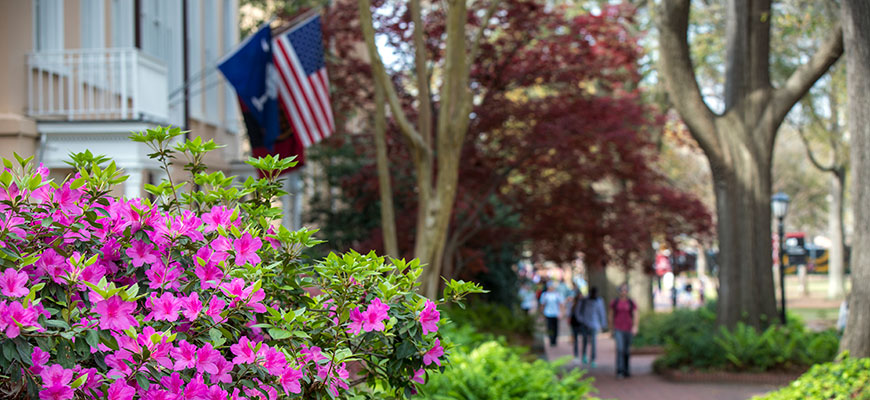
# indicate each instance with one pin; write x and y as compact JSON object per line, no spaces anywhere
{"x":692,"y":340}
{"x":493,"y":370}
{"x":655,"y":328}
{"x":847,"y":379}
{"x":493,"y":318}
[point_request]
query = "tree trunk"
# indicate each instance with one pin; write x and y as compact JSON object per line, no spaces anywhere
{"x":388,"y":219}
{"x":640,"y":288}
{"x":739,"y":143}
{"x":742,"y":192}
{"x":837,"y":255}
{"x":856,"y":28}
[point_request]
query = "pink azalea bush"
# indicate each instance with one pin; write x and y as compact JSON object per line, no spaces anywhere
{"x":196,"y":294}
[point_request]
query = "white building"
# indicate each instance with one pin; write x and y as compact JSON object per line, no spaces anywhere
{"x":83,"y":74}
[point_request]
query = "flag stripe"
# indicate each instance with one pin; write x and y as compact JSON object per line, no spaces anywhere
{"x":322,"y":98}
{"x":292,"y":90}
{"x":292,"y":115}
{"x":300,"y":120}
{"x":304,"y":87}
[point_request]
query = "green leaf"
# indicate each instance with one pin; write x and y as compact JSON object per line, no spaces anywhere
{"x":406,"y":349}
{"x":143,"y":381}
{"x":80,"y":381}
{"x":278,"y":334}
{"x":92,"y":337}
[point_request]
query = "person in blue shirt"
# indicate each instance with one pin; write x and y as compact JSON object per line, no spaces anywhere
{"x":551,"y":303}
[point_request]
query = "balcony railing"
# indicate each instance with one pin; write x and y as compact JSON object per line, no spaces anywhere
{"x":97,"y":84}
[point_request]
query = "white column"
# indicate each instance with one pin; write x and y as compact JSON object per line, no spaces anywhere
{"x":133,"y":184}
{"x":287,"y":203}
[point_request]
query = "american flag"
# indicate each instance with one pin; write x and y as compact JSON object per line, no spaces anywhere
{"x":303,"y":90}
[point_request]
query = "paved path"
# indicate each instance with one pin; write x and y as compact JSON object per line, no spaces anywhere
{"x":644,"y":384}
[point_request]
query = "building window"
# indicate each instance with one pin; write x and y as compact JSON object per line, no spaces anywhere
{"x":48,"y":25}
{"x":93,"y":22}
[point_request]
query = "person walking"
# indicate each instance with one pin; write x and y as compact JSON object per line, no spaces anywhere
{"x":551,"y":303}
{"x":593,"y":319}
{"x":527,"y":298}
{"x":622,"y":315}
{"x":576,"y":321}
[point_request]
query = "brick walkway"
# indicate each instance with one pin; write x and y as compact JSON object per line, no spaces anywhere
{"x":644,"y":384}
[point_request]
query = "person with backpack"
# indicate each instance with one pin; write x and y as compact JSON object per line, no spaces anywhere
{"x":591,"y":318}
{"x":578,"y":328}
{"x":622,"y":315}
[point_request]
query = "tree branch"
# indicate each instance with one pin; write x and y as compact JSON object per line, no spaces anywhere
{"x":381,"y":78}
{"x":812,"y":155}
{"x":672,"y":19}
{"x":803,"y":78}
{"x":475,"y":42}
{"x":423,"y":96}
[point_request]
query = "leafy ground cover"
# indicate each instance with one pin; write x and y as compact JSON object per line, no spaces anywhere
{"x":844,"y":379}
{"x":693,"y":341}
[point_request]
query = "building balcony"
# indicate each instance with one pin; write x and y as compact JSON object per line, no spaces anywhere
{"x":119,"y":84}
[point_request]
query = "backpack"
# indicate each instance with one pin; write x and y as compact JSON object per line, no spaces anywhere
{"x":576,"y":322}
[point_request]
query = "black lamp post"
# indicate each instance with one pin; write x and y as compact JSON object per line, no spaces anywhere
{"x":779,"y":206}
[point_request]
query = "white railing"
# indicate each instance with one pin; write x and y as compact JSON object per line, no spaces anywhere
{"x":97,"y":84}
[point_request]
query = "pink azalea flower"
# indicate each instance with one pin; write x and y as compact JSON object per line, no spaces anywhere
{"x":173,"y":383}
{"x":311,"y":354}
{"x":216,"y":393}
{"x":13,"y":283}
{"x":68,"y":199}
{"x":429,"y":318}
{"x":93,"y":273}
{"x":163,"y":276}
{"x":15,"y":312}
{"x":290,"y":380}
{"x":432,"y":355}
{"x":244,"y":351}
{"x":418,"y":376}
{"x":56,"y":375}
{"x":141,"y":252}
{"x":209,"y":275}
{"x":116,"y":314}
{"x":356,"y":322}
{"x":374,"y":316}
{"x":38,"y":358}
{"x":117,"y":367}
{"x":215,"y":307}
{"x":184,"y":355}
{"x":273,"y":360}
{"x":224,"y":368}
{"x":191,"y":306}
{"x":246,"y":249}
{"x":256,"y":298}
{"x":272,"y":241}
{"x":56,"y":393}
{"x":195,"y":389}
{"x":52,"y":264}
{"x":164,"y":308}
{"x":120,"y":390}
{"x":207,"y":358}
{"x":55,"y":383}
{"x":235,"y":288}
{"x":221,"y":246}
{"x":218,"y":216}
